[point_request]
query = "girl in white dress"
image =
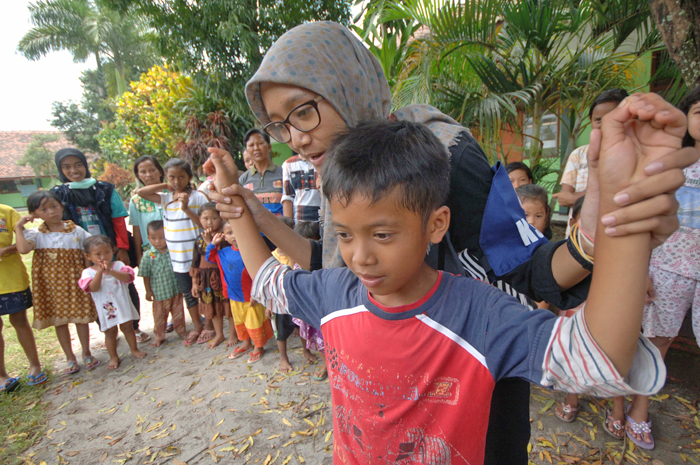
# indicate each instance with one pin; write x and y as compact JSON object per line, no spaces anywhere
{"x":107,"y":282}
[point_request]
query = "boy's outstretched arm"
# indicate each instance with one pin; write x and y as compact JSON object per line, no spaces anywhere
{"x":251,"y":244}
{"x":642,"y":128}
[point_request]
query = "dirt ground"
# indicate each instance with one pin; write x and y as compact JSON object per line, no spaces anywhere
{"x":195,"y":406}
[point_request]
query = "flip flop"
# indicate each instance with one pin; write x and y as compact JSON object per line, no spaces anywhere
{"x":142,"y":337}
{"x":238,"y":352}
{"x":170,"y":328}
{"x":72,"y":368}
{"x":323,"y":376}
{"x":10,"y":385}
{"x":91,"y":363}
{"x":41,"y":378}
{"x":618,"y":425}
{"x":206,"y":336}
{"x":567,"y":409}
{"x":255,"y":357}
{"x":191,"y":339}
{"x":640,"y":428}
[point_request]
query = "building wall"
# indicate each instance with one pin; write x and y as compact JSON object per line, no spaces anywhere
{"x":16,"y":200}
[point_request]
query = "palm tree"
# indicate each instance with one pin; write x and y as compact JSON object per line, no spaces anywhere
{"x":117,"y":41}
{"x":495,"y":64}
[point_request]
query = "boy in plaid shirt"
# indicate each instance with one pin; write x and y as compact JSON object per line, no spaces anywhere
{"x":161,"y":285}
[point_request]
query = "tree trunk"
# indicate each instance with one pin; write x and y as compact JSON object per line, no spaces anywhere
{"x":101,"y":89}
{"x":678,"y":22}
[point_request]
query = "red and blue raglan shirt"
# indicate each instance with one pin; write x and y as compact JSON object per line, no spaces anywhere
{"x":236,"y":278}
{"x":414,"y":383}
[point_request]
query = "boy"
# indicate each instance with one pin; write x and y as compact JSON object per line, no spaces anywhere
{"x":413,"y":354}
{"x":161,"y":285}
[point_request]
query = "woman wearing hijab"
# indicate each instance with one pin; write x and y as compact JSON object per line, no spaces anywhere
{"x":96,"y":207}
{"x":319,"y":79}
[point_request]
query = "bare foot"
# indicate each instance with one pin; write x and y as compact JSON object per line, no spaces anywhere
{"x":157,"y":342}
{"x":232,"y":341}
{"x":215,"y":342}
{"x":311,"y":358}
{"x":113,"y":363}
{"x":139,"y":353}
{"x":285,"y":366}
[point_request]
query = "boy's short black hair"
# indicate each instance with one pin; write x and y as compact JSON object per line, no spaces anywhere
{"x":94,"y":241}
{"x":208,"y":206}
{"x":308,"y":229}
{"x":518,"y":165}
{"x":377,"y":156}
{"x":35,"y":198}
{"x":688,"y":101}
{"x":287,"y":221}
{"x":576,"y":208}
{"x":154,"y":226}
{"x":534,"y":192}
{"x":250,"y":132}
{"x":612,"y":95}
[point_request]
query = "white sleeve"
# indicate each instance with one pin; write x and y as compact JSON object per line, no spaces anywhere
{"x":268,"y":286}
{"x":30,"y":234}
{"x":574,"y":362}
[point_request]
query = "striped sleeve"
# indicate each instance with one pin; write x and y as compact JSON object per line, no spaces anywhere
{"x":268,"y":286}
{"x":574,"y":362}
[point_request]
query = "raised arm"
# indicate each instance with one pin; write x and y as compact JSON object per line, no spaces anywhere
{"x":251,"y":244}
{"x":640,"y":130}
{"x":279,"y":233}
{"x":23,"y":245}
{"x":151,"y":192}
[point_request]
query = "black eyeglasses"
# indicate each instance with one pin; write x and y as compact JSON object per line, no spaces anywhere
{"x":304,"y":118}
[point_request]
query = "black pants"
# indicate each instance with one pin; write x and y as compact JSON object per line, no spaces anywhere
{"x":134,"y":294}
{"x":509,"y":423}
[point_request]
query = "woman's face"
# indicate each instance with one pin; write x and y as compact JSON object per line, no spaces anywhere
{"x":280,"y":99}
{"x":694,"y":123}
{"x":73,"y":168}
{"x":148,"y":173}
{"x":259,"y":149}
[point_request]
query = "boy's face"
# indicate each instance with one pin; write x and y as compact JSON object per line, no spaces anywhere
{"x":177,"y":178}
{"x":601,"y":110}
{"x":157,"y":239}
{"x":73,"y":168}
{"x":519,"y":178}
{"x":228,"y":235}
{"x":536,"y":214}
{"x":210,"y":219}
{"x":385,"y":245}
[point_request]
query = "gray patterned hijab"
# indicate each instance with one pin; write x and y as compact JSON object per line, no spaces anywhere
{"x":326,"y":58}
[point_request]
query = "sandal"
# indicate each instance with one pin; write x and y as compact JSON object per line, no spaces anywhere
{"x":91,"y":363}
{"x":10,"y":385}
{"x":255,"y":357}
{"x":41,"y":378}
{"x":191,"y":339}
{"x":238,"y":352}
{"x":142,"y":337}
{"x":618,"y":426}
{"x":568,"y":410}
{"x":640,"y":429}
{"x":323,"y":373}
{"x":72,"y":368}
{"x":206,"y":336}
{"x":170,"y":328}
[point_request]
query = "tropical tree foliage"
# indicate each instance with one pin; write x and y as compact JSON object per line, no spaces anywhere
{"x":119,"y":41}
{"x":38,"y":157}
{"x":499,"y":65}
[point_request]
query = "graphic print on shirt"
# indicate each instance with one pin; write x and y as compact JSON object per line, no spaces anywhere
{"x":3,"y":225}
{"x":110,"y":309}
{"x":89,"y":220}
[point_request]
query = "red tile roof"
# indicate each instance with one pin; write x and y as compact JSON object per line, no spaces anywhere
{"x":12,"y":147}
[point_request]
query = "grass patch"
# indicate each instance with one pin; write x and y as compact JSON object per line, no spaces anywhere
{"x":23,"y":412}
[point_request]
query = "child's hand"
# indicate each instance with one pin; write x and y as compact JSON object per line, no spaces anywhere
{"x":24,"y":220}
{"x":268,"y":313}
{"x":650,"y":290}
{"x":218,"y":237}
{"x":207,"y":235}
{"x":226,"y":170}
{"x":149,"y":295}
{"x":184,"y":199}
{"x":105,"y":267}
{"x":642,"y":129}
{"x":195,"y":292}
